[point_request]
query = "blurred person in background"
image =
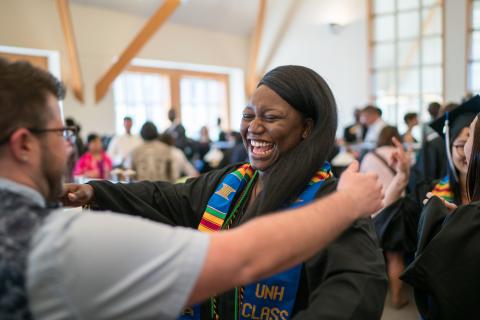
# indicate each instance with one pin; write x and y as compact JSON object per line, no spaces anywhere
{"x":379,"y":159}
{"x":121,"y":146}
{"x":411,"y":120}
{"x":95,"y":163}
{"x":371,"y":117}
{"x":355,"y":133}
{"x":77,"y":149}
{"x":152,"y":160}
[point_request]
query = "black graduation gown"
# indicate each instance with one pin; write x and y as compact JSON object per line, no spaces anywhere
{"x":445,"y":272}
{"x":431,"y":163}
{"x":346,"y":280}
{"x":397,"y":224}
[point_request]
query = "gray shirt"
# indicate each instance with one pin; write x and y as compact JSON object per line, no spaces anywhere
{"x":111,"y":266}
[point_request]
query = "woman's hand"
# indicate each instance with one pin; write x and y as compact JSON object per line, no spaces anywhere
{"x":450,"y":206}
{"x":76,"y":195}
{"x":400,"y":160}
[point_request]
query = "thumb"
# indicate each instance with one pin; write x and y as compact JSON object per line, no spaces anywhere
{"x":72,"y":196}
{"x":353,"y":167}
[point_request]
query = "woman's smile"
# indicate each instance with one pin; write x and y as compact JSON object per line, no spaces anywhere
{"x":259,"y":149}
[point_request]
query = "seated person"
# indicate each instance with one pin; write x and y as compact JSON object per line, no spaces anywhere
{"x":95,"y":163}
{"x":155,"y":160}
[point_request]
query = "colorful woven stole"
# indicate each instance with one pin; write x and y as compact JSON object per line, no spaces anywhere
{"x":275,"y":296}
{"x":220,"y":202}
{"x":443,"y":190}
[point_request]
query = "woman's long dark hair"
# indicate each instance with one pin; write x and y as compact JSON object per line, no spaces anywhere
{"x":473,"y":174}
{"x":308,"y":93}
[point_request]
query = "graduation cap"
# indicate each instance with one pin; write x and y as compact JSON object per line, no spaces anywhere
{"x":451,"y":124}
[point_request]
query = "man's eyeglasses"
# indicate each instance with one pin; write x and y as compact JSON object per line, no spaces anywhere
{"x":68,"y":132}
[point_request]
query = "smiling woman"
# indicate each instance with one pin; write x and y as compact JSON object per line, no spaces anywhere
{"x":288,"y":128}
{"x":291,"y":119}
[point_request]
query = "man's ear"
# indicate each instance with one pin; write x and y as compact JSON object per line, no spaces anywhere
{"x":308,"y":128}
{"x":21,"y":145}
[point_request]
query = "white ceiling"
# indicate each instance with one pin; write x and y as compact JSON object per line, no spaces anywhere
{"x":231,"y":16}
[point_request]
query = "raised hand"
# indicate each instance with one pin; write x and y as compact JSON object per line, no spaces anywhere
{"x":400,"y":159}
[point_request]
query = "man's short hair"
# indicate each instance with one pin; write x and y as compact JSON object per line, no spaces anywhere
{"x":128,"y":118}
{"x":409,"y":116}
{"x":23,"y":96}
{"x":434,"y":109}
{"x":372,"y":110}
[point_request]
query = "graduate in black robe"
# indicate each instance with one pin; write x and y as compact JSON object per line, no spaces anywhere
{"x":444,"y":274}
{"x":344,"y":281}
{"x":397,"y":224}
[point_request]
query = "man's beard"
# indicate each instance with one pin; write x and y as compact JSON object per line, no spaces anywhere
{"x":54,"y":174}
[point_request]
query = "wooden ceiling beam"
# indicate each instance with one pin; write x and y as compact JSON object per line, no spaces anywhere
{"x":75,"y":81}
{"x":252,"y":76}
{"x":282,"y":31}
{"x":148,"y":30}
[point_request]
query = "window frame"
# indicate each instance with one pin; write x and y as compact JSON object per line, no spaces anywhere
{"x":396,"y":66}
{"x":175,"y":76}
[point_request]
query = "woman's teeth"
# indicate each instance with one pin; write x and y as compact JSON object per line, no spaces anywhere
{"x":260,"y":143}
{"x":261,"y":148}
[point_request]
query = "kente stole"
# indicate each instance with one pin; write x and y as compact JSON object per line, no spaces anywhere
{"x":443,"y":190}
{"x":273,"y":297}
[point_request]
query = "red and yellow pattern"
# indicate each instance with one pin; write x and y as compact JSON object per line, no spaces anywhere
{"x":443,"y":190}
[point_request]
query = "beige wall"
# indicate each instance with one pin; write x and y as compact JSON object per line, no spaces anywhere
{"x":340,"y":58}
{"x":102,"y":34}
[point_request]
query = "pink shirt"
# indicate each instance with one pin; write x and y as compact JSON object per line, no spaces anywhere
{"x":92,"y":168}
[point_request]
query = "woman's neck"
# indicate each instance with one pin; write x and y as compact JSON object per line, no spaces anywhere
{"x":257,"y":188}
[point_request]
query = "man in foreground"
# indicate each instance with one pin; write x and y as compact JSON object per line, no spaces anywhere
{"x":64,"y":264}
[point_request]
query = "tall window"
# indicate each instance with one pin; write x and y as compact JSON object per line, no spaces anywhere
{"x":406,"y":43}
{"x":148,"y":93}
{"x":203,"y":101}
{"x":474,"y":54}
{"x":143,"y":96}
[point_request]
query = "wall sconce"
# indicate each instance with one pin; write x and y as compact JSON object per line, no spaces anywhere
{"x":335,"y":28}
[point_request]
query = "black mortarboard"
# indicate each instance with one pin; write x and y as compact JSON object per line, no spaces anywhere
{"x":458,"y":118}
{"x":451,"y":124}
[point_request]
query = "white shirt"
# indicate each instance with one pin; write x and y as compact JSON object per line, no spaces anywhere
{"x":121,"y":146}
{"x":111,"y":266}
{"x":108,"y":266}
{"x":373,"y":133}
